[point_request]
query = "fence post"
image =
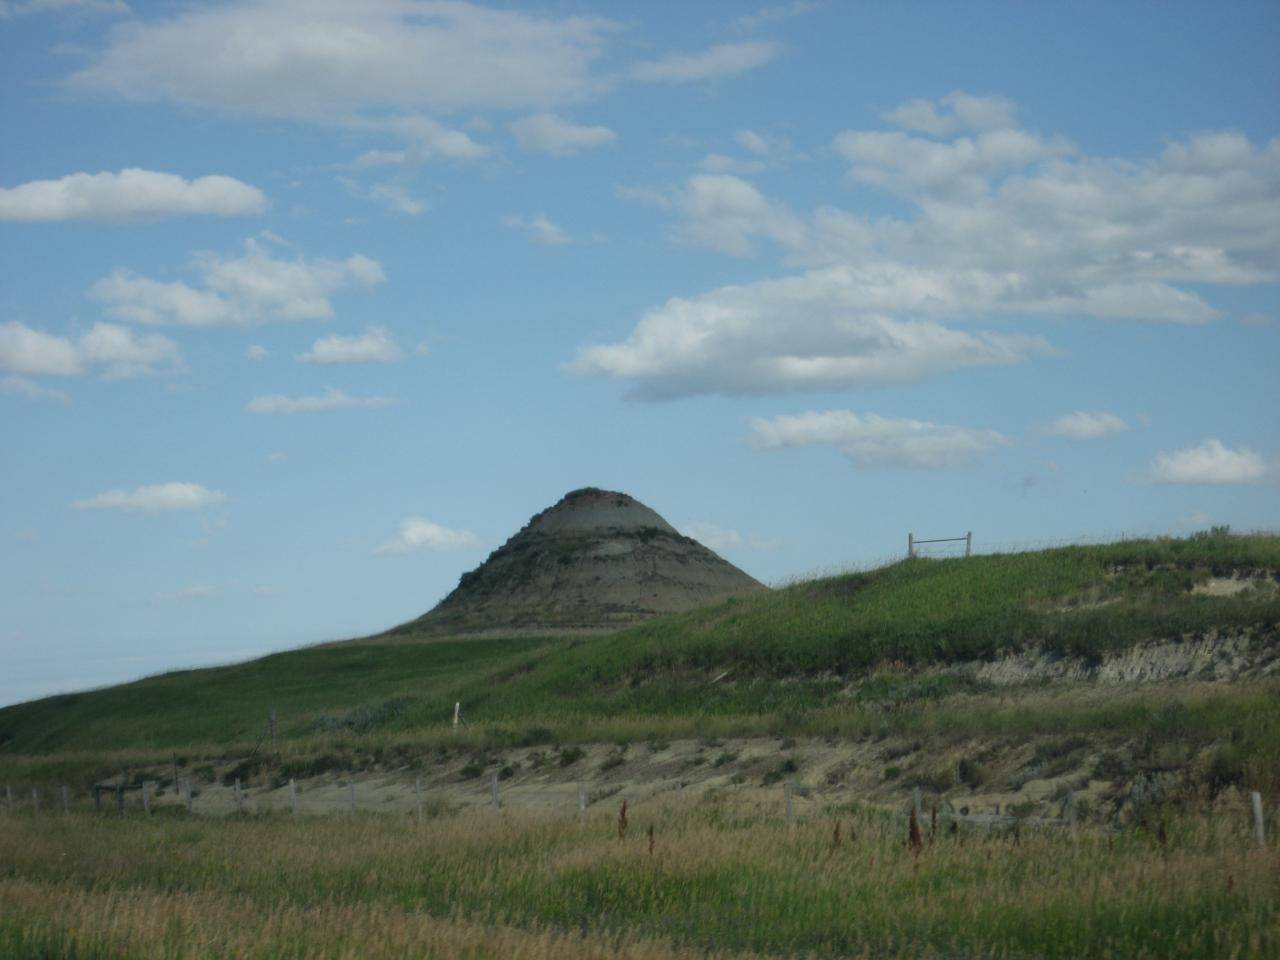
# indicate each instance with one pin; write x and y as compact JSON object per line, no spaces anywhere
{"x":786,"y":795}
{"x":35,"y":800}
{"x":457,"y":715}
{"x":66,"y":799}
{"x":417,"y":796}
{"x":352,"y":788}
{"x":911,"y":545}
{"x":915,"y":802}
{"x":120,"y":797}
{"x":293,"y":797}
{"x":190,"y":799}
{"x":1258,"y":830}
{"x":582,"y":802}
{"x":968,"y":544}
{"x":493,"y":786}
{"x":239,"y":797}
{"x":8,"y":796}
{"x":177,"y":788}
{"x":146,"y":797}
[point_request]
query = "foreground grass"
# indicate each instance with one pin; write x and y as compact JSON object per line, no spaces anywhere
{"x":723,"y":878}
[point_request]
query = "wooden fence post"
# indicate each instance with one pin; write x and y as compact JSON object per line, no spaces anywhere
{"x":293,"y":797}
{"x":968,"y":544}
{"x":493,"y":786}
{"x":8,"y":797}
{"x":239,"y":797}
{"x":66,"y":799}
{"x":1258,"y":830}
{"x":457,"y":715}
{"x":911,"y":545}
{"x":582,"y":802}
{"x":146,"y":797}
{"x":177,"y":789}
{"x":352,"y":788}
{"x":189,"y":798}
{"x":417,"y":796}
{"x":787,"y":791}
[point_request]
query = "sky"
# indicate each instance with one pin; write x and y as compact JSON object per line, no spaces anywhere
{"x":306,"y":306}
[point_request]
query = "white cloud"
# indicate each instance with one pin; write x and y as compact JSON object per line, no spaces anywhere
{"x":872,"y":441}
{"x":324,"y":59}
{"x":331,"y":399}
{"x":1211,"y":463}
{"x":726,"y":213}
{"x":750,"y":22}
{"x":722,"y":163}
{"x":21,"y":387}
{"x":428,"y":139}
{"x":374,"y":346}
{"x":157,"y":498}
{"x":397,"y":199}
{"x":256,"y":352}
{"x":541,"y":230}
{"x":954,"y":112}
{"x":131,"y":194}
{"x":722,"y":60}
{"x":257,"y":287}
{"x":826,"y":329}
{"x":417,"y":533}
{"x":1083,"y":425}
{"x":724,"y":538}
{"x":1007,"y":225}
{"x":911,"y":165}
{"x":753,"y":142}
{"x":548,"y":133}
{"x":107,"y":350}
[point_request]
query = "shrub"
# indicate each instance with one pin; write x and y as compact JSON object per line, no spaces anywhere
{"x":726,"y":757}
{"x":571,"y":755}
{"x":972,"y":773}
{"x":470,"y":771}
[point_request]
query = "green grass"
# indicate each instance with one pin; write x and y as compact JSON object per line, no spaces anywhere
{"x":830,"y":655}
{"x":723,"y":877}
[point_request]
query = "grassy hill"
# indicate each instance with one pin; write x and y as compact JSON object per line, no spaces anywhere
{"x":858,"y":653}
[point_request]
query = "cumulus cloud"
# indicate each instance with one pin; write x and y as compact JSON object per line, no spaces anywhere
{"x":541,"y":230}
{"x":21,"y":387}
{"x":824,"y":329}
{"x":1082,"y":425}
{"x":318,"y":60}
{"x":257,"y":287}
{"x":954,"y":112}
{"x":417,"y":533}
{"x":548,"y":133}
{"x":718,"y":62}
{"x":753,"y":142}
{"x":256,"y":352}
{"x":331,"y":399}
{"x":750,"y":22}
{"x":374,"y":346}
{"x":872,"y":441}
{"x":397,"y":199}
{"x":157,"y":498}
{"x":1212,"y":462}
{"x":1006,"y":224}
{"x":131,"y":194}
{"x":107,"y":350}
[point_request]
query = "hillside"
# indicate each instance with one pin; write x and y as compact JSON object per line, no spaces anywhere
{"x":879,"y":650}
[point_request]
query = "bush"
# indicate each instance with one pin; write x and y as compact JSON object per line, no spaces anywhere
{"x":972,"y":773}
{"x":571,"y":755}
{"x":470,"y":771}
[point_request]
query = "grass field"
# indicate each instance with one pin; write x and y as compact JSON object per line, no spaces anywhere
{"x":722,"y":879}
{"x":865,"y":659}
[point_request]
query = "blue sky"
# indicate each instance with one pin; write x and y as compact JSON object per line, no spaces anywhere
{"x":305,"y":307}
